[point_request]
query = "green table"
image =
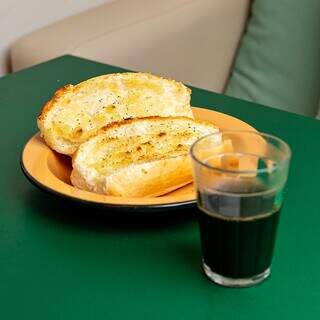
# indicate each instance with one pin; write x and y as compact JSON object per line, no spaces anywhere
{"x":62,"y":261}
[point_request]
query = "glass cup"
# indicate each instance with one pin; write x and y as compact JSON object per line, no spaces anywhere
{"x":240,"y":178}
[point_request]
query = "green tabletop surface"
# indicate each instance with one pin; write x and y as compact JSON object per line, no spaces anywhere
{"x":60,"y":260}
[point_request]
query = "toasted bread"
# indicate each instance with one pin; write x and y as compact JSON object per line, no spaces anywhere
{"x":139,"y":157}
{"x":76,"y":113}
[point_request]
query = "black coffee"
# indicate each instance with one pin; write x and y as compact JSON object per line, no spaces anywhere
{"x":240,"y":245}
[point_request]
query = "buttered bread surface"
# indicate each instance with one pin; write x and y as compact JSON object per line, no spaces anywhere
{"x":78,"y":112}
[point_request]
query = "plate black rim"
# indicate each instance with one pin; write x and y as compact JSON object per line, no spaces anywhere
{"x":118,"y":207}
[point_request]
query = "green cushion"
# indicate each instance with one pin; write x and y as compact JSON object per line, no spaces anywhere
{"x":278,"y":63}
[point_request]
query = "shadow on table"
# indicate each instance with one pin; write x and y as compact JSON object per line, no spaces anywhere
{"x":188,"y":254}
{"x":181,"y":245}
{"x":68,"y":212}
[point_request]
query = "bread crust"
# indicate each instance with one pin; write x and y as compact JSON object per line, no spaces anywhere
{"x":151,"y":179}
{"x":155,"y":119}
{"x":49,"y":104}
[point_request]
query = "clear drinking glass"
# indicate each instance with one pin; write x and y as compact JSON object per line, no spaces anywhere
{"x":240,"y":178}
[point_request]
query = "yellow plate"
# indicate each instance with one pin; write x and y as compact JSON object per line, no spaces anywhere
{"x":51,"y":172}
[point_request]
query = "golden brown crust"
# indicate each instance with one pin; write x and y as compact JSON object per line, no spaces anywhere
{"x":154,"y":119}
{"x":142,"y":180}
{"x":49,"y":104}
{"x":161,"y":177}
{"x":149,"y":74}
{"x":44,"y":110}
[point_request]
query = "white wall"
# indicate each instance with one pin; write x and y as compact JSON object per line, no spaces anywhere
{"x":19,"y":17}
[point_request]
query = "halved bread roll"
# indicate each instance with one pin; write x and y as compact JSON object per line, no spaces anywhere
{"x":76,"y":113}
{"x":138,"y":158}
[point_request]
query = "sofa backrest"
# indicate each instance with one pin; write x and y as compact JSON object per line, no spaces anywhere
{"x":194,"y":41}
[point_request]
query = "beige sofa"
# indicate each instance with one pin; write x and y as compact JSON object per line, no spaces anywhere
{"x":194,"y":41}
